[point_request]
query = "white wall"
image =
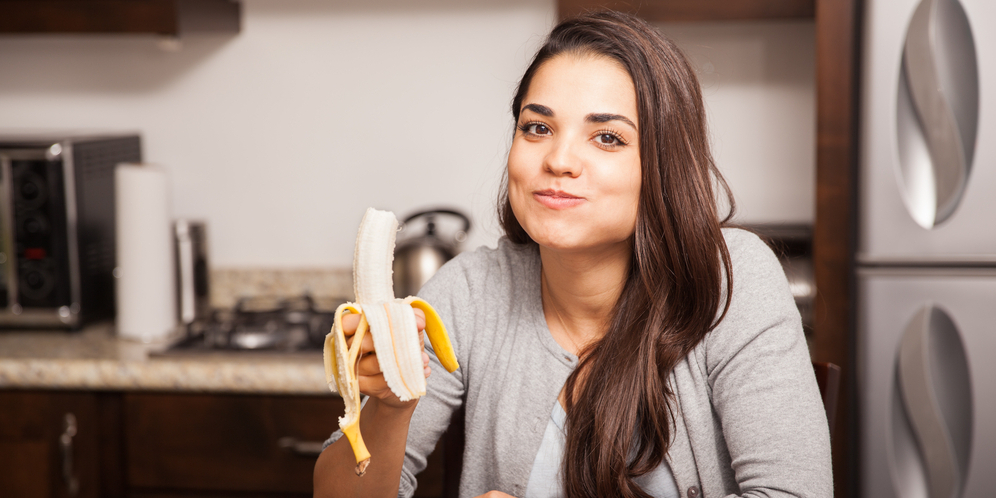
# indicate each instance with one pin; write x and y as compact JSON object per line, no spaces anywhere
{"x":758,"y":81}
{"x":281,"y":136}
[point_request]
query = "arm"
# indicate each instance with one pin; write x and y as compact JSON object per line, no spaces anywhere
{"x":763,"y":388}
{"x":400,"y":438}
{"x":334,"y":471}
{"x":386,"y":419}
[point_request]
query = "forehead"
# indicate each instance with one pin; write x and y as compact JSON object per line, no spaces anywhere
{"x":583,"y":83}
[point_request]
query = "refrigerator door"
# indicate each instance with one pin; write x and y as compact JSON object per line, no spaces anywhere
{"x":928,"y":141}
{"x":926,"y":371}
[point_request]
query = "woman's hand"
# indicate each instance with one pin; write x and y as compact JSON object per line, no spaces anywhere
{"x":385,"y":420}
{"x":495,"y":494}
{"x":369,"y":374}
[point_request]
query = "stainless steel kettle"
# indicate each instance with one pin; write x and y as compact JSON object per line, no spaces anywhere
{"x":417,"y":256}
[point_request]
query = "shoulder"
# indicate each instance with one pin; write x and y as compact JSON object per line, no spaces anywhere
{"x":499,"y":276}
{"x":757,"y":273}
{"x":761,"y":303}
{"x":747,"y":250}
{"x":750,"y":384}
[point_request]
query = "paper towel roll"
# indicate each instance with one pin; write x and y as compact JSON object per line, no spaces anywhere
{"x":146,"y":299}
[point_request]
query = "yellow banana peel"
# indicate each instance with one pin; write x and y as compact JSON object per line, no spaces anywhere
{"x":391,"y":324}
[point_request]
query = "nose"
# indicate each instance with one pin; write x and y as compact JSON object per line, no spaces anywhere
{"x":562,"y":160}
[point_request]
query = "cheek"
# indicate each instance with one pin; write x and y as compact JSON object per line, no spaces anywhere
{"x":516,"y":179}
{"x":631,"y":185}
{"x":516,"y":160}
{"x":635,"y":186}
{"x":518,"y":173}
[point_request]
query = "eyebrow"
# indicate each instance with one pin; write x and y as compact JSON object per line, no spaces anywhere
{"x":606,"y":117}
{"x":601,"y":117}
{"x":542,"y":110}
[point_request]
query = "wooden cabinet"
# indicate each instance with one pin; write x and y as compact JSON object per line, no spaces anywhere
{"x":49,"y":445}
{"x":167,"y":444}
{"x":697,"y":10}
{"x":225,"y":443}
{"x":162,"y":17}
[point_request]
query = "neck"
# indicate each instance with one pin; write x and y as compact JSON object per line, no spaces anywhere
{"x":579,"y":291}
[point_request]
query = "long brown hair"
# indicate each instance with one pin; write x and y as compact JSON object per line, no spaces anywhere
{"x":620,"y":417}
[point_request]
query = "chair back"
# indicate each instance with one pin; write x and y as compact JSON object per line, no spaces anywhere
{"x":828,"y":378}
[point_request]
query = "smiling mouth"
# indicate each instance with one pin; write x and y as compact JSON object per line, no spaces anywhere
{"x":557,"y":199}
{"x":556,"y":194}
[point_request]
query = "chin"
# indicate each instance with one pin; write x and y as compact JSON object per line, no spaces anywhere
{"x":575,"y":242}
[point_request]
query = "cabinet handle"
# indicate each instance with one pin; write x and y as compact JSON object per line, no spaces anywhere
{"x":302,"y":448}
{"x":66,"y":444}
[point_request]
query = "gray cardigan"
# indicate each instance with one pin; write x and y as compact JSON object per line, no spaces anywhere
{"x":751,"y":420}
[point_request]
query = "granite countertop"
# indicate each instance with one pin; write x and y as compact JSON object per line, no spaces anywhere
{"x":96,"y":359}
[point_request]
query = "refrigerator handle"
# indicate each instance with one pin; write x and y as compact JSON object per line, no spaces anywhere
{"x":935,"y":392}
{"x":937,"y":111}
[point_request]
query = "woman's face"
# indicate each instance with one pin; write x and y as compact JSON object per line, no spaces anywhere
{"x":574,"y":165}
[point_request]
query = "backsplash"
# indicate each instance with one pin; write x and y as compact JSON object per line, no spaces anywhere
{"x":228,"y":285}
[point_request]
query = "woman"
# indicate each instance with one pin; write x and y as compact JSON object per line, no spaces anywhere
{"x":618,"y":342}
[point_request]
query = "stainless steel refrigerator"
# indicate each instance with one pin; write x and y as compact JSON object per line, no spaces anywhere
{"x":926,"y":344}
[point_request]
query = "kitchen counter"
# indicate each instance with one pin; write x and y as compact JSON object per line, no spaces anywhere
{"x":96,"y":359}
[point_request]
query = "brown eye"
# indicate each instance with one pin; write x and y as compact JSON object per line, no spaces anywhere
{"x":608,"y":139}
{"x":538,"y":129}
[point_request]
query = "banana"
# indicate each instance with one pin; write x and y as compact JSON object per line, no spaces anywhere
{"x":391,"y":323}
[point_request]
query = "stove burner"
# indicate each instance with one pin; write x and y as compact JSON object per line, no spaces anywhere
{"x":282,"y":325}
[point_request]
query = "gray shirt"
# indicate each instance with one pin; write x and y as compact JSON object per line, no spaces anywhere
{"x":750,"y":420}
{"x":545,"y":479}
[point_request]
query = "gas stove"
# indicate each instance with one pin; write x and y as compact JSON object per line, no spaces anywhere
{"x":261,"y":325}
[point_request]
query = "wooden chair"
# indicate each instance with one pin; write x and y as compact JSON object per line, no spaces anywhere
{"x":828,"y":378}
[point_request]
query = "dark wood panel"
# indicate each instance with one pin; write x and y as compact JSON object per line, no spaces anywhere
{"x":224,"y":443}
{"x":90,"y":16}
{"x":834,"y":236}
{"x":163,"y":17}
{"x":213,"y":494}
{"x":145,"y":445}
{"x":697,"y":10}
{"x":26,"y":467}
{"x":31,"y":423}
{"x":111,"y":462}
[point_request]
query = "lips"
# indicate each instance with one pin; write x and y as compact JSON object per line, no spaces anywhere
{"x":557,"y":199}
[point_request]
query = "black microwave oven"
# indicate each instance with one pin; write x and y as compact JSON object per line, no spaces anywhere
{"x":57,"y":241}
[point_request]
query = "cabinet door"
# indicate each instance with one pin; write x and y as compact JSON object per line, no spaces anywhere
{"x":49,"y":444}
{"x":917,"y":203}
{"x":211,"y":445}
{"x":225,"y":442}
{"x":928,"y":406}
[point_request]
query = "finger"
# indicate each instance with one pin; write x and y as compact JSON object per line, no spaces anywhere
{"x":368,"y":365}
{"x":419,"y":318}
{"x":366,"y":346}
{"x":372,"y":385}
{"x":375,"y":386}
{"x":420,"y":323}
{"x":349,"y":323}
{"x":425,"y":364}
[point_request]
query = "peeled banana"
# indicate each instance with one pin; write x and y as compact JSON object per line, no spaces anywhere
{"x":391,"y":323}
